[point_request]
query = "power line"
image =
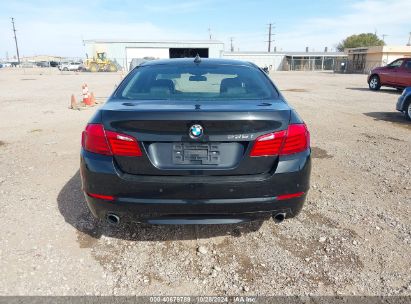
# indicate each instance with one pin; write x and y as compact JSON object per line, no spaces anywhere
{"x":15,"y":40}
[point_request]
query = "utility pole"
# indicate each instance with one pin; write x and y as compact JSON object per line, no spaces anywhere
{"x":270,"y":35}
{"x":209,"y":32}
{"x":232,"y":46}
{"x":383,"y":37}
{"x":409,"y":40}
{"x":15,"y":40}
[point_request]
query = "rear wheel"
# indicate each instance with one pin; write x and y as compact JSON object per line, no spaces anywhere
{"x":65,"y":69}
{"x":374,"y":83}
{"x":407,"y":111}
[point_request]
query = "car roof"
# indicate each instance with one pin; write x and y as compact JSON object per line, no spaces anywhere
{"x":206,"y":61}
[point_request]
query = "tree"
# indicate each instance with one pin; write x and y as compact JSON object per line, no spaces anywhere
{"x":360,"y":40}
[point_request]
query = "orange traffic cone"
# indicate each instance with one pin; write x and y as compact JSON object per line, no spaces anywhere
{"x":92,"y":99}
{"x":73,"y":102}
{"x":86,"y":97}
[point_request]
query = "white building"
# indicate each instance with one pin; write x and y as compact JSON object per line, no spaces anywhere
{"x":274,"y":61}
{"x":123,"y":51}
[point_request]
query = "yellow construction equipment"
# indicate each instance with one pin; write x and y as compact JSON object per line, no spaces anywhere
{"x":100,"y":63}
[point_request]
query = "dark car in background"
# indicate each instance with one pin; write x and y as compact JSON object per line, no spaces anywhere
{"x":43,"y":64}
{"x":54,"y":64}
{"x":404,"y":103}
{"x":397,"y":74}
{"x":202,"y":141}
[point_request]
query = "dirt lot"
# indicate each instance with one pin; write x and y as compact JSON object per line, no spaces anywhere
{"x":353,"y":236}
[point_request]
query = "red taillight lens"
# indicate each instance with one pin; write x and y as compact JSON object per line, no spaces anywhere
{"x":293,"y":140}
{"x":97,"y":140}
{"x":297,"y":140}
{"x":94,"y":140}
{"x":268,"y":144}
{"x":123,"y":145}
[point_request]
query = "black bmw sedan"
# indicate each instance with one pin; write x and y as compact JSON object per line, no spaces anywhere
{"x":195,"y":141}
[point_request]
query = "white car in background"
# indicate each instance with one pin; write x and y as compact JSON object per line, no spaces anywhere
{"x":70,"y":66}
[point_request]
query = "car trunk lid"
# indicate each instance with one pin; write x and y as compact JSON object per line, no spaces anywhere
{"x":162,"y":128}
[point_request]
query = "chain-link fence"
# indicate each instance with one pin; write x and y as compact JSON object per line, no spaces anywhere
{"x":309,"y":63}
{"x":336,"y":64}
{"x":356,"y":66}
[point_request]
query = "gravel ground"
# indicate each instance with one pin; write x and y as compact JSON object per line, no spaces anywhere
{"x":353,"y":236}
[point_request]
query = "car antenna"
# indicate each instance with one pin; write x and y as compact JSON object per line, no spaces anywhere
{"x":197,"y":59}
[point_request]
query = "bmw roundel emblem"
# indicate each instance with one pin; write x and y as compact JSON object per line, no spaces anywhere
{"x":196,"y":131}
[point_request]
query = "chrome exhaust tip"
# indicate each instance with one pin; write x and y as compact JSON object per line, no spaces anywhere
{"x":279,"y":217}
{"x":113,"y":219}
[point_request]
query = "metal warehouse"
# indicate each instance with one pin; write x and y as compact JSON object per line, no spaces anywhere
{"x":123,"y":51}
{"x":274,"y":61}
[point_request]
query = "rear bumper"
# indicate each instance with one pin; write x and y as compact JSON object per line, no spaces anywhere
{"x":194,"y":199}
{"x":213,"y":211}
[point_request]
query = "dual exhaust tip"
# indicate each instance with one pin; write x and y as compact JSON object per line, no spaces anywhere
{"x":114,"y":219}
{"x":279,"y":217}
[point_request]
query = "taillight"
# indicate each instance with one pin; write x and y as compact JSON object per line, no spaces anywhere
{"x":123,"y":145}
{"x":97,"y":140}
{"x":293,"y":140}
{"x":268,"y":144}
{"x":94,"y":140}
{"x":297,"y":140}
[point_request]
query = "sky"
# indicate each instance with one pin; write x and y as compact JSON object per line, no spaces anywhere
{"x":56,"y":27}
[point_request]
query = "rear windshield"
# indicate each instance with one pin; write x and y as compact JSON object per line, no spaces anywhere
{"x":196,"y":82}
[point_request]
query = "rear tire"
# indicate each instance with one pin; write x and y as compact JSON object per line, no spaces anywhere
{"x":65,"y":69}
{"x":374,"y":83}
{"x":407,"y":110}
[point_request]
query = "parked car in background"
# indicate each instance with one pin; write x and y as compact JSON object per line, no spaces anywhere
{"x":404,"y":103}
{"x":203,"y":141}
{"x":43,"y":64}
{"x":27,"y":64}
{"x":54,"y":64}
{"x":70,"y":66}
{"x":397,"y":74}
